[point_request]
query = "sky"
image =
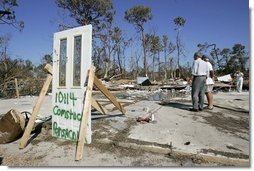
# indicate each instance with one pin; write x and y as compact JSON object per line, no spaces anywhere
{"x":223,"y":22}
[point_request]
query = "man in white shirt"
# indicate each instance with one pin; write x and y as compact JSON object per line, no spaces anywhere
{"x":209,"y":84}
{"x":199,"y":75}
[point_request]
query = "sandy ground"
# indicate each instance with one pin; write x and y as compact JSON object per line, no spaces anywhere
{"x":177,"y":137}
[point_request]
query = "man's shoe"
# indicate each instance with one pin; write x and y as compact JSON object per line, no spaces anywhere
{"x":208,"y":108}
{"x":193,"y":110}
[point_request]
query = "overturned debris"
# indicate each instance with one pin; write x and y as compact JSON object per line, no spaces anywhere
{"x":12,"y":125}
{"x":144,"y":81}
{"x":225,"y":78}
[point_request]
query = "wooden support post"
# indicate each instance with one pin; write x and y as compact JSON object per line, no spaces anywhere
{"x":86,"y":108}
{"x":48,"y":68}
{"x":29,"y":127}
{"x":17,"y":87}
{"x":105,"y":91}
{"x":99,"y":107}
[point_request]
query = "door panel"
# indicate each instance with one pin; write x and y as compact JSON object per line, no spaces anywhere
{"x":62,"y":63}
{"x":71,"y":61}
{"x":77,"y":61}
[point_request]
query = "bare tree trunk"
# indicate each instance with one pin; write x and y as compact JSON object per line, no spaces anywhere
{"x":159,"y":65}
{"x":108,"y":64}
{"x":124,"y":63}
{"x":174,"y":74}
{"x":178,"y":53}
{"x":153,"y":67}
{"x":166,"y":65}
{"x":137,"y":64}
{"x":144,"y":49}
{"x":119,"y":60}
{"x":165,"y":74}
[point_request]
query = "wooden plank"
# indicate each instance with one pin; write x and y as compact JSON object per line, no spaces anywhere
{"x":98,"y":106}
{"x":48,"y":68}
{"x":86,"y":108}
{"x":105,"y":91}
{"x":17,"y":88}
{"x":29,"y":127}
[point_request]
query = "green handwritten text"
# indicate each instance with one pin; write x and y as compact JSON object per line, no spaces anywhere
{"x":67,"y":114}
{"x":64,"y":133}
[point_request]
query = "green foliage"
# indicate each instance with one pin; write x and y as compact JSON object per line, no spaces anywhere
{"x":46,"y":59}
{"x":154,"y":43}
{"x":227,"y":61}
{"x":238,"y":52}
{"x":138,"y":15}
{"x":179,"y":21}
{"x":7,"y":14}
{"x":94,"y":12}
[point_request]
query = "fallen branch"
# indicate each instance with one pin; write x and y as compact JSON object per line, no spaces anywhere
{"x":115,"y":76}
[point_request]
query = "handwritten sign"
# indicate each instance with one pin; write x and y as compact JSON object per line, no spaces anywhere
{"x":67,"y":114}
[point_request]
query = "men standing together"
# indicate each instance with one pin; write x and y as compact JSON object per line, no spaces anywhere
{"x":200,"y":72}
{"x":203,"y":81}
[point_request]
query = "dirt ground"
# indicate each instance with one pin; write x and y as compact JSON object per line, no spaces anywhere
{"x":45,"y":150}
{"x":112,"y":144}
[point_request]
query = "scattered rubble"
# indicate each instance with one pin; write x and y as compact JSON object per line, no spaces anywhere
{"x":172,"y":140}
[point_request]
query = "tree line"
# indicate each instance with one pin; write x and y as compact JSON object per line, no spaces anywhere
{"x":159,"y":59}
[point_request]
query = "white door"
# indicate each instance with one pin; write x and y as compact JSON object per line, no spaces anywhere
{"x":71,"y":60}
